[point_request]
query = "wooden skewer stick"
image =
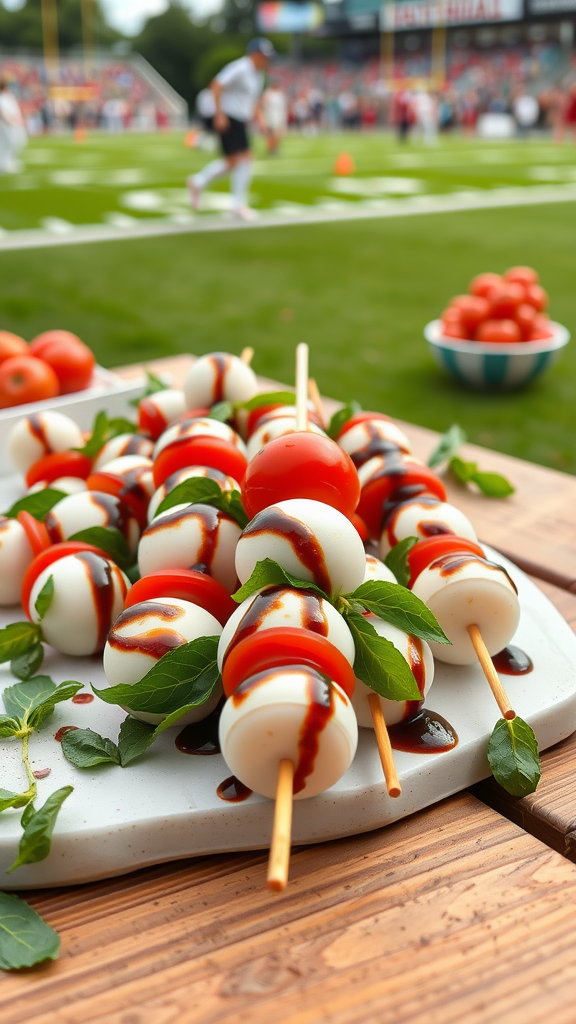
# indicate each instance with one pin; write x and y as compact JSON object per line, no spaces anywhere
{"x":302,"y":386}
{"x":279,"y":860}
{"x":491,"y":674}
{"x":384,"y":747}
{"x":247,"y":355}
{"x":314,"y":394}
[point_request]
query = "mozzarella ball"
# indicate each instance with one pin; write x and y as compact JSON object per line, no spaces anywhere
{"x":87,"y":509}
{"x":202,"y":427}
{"x":290,"y":713}
{"x":187,"y":536}
{"x":156,"y":411}
{"x":89,"y":593}
{"x":40,"y":434}
{"x":225,"y":483}
{"x":273,"y":428}
{"x":143,"y":633}
{"x":309,"y":539}
{"x":219,"y":377}
{"x":376,"y":570}
{"x":15,"y":557}
{"x":123,"y":444}
{"x":284,"y":606}
{"x":134,"y":470}
{"x":423,"y":517}
{"x":373,"y":437}
{"x":462,"y":589}
{"x":418,"y":655}
{"x":66,"y":484}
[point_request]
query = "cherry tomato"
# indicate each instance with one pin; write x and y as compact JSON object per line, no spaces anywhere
{"x":394,"y":477}
{"x":522,"y":275}
{"x":525,"y":318}
{"x":12,"y":345}
{"x":200,"y":451}
{"x":48,"y":557}
{"x":361,"y":417}
{"x":537,"y":297}
{"x":499,"y":332}
{"x":482,"y":284}
{"x":36,"y":532}
{"x":72,"y":362}
{"x":58,"y":464}
{"x":361,"y":528}
{"x":427,"y":551}
{"x":452,"y":315}
{"x":126,"y":488}
{"x":255,"y":415}
{"x":455,"y":330}
{"x":188,"y":585}
{"x":285,"y":645}
{"x":26,"y":379}
{"x":472,"y":309}
{"x":541,"y":329}
{"x":504,"y":300}
{"x":301,"y":465}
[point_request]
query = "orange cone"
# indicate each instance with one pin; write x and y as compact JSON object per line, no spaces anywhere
{"x":344,"y":164}
{"x":190,"y":140}
{"x":79,"y":135}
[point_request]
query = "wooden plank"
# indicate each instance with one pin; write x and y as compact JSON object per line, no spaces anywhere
{"x":454,"y":914}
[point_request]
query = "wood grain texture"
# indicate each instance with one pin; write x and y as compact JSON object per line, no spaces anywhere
{"x":451,"y":915}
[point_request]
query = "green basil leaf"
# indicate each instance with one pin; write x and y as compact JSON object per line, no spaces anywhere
{"x":118,"y":425}
{"x":8,"y":799}
{"x":463,"y":471}
{"x":493,"y":484}
{"x":513,"y":757}
{"x":134,"y":738}
{"x":186,"y":675}
{"x":9,"y":726}
{"x":200,"y":490}
{"x":269,"y":574}
{"x":378,"y":663}
{"x":341,"y":416}
{"x":267,"y":398}
{"x":21,"y":699}
{"x":37,"y":837}
{"x":84,"y":748}
{"x":97,"y":437}
{"x":400,"y":607}
{"x":222,"y":411}
{"x":234,"y":507}
{"x":152,"y":385}
{"x":171,"y":719}
{"x":17,"y":638}
{"x":29,"y":812}
{"x":447,"y":446}
{"x":397,"y":560}
{"x":37,"y":504}
{"x":45,"y":597}
{"x":133,"y":573}
{"x":25,"y":938}
{"x":41,"y":711}
{"x":23,"y":666}
{"x":110,"y":540}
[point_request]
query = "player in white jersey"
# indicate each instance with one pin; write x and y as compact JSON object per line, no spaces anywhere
{"x":237,"y":91}
{"x":12,"y":130}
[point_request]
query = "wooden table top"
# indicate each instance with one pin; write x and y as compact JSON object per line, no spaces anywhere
{"x":456,"y":913}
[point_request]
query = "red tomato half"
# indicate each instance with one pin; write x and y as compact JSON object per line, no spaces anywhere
{"x":72,"y":362}
{"x":36,"y":532}
{"x":301,"y":465}
{"x":361,"y":528}
{"x":255,"y":415}
{"x":499,"y":332}
{"x":282,"y":646}
{"x":482,"y":284}
{"x":383,"y":486}
{"x":537,"y":297}
{"x":150,"y":420}
{"x":48,"y":557}
{"x":58,"y":464}
{"x":187,"y":585}
{"x":427,"y":551}
{"x":522,"y":275}
{"x":361,"y":417}
{"x":200,"y":451}
{"x":127,"y":489}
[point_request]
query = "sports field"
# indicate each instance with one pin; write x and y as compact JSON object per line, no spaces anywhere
{"x":358,"y":291}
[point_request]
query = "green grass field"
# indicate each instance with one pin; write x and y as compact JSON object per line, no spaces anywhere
{"x":358,"y":292}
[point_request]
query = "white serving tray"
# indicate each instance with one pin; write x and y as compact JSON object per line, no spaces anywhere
{"x":165,"y":806}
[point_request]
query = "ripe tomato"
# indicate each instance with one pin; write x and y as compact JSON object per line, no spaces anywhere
{"x":188,"y":585}
{"x":473,"y":309}
{"x":395,"y":477}
{"x":537,"y":297}
{"x":281,"y":646}
{"x":58,"y":464}
{"x":12,"y":345}
{"x":541,"y":328}
{"x":39,"y":343}
{"x":72,"y":362}
{"x":452,"y":315}
{"x":482,"y":284}
{"x":504,"y":300}
{"x":499,"y":332}
{"x":361,"y":528}
{"x":46,"y":558}
{"x":200,"y":451}
{"x":26,"y":379}
{"x":36,"y":532}
{"x":522,"y":275}
{"x":301,"y":465}
{"x":361,"y":417}
{"x":255,"y":415}
{"x":427,"y":551}
{"x":525,"y":318}
{"x":456,"y":330}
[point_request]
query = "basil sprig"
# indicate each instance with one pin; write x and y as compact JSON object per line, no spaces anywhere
{"x":269,"y":573}
{"x":45,"y":598}
{"x":493,"y":485}
{"x":447,"y":446}
{"x":378,"y":663}
{"x":397,"y":560}
{"x":266,"y":398}
{"x":86,"y":749}
{"x":110,"y":540}
{"x":25,"y":938}
{"x":37,"y":504}
{"x":341,"y":416}
{"x":104,"y":429}
{"x":202,"y":490}
{"x":400,"y":607}
{"x":17,"y":638}
{"x":151,"y":386}
{"x":513,"y":756}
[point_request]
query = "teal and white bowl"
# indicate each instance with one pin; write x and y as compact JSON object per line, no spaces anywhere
{"x":491,"y":367}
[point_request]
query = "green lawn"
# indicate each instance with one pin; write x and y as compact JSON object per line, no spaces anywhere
{"x":358,"y":292}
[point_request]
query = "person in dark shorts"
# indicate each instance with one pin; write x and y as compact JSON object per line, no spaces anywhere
{"x":236,"y":91}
